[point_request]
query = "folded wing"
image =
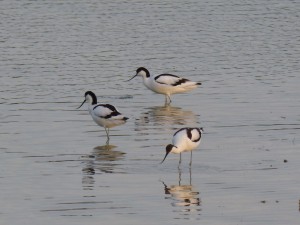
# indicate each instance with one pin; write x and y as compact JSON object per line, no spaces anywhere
{"x":173,"y":80}
{"x":107,"y":111}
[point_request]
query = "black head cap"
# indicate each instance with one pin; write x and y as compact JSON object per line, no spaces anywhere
{"x":168,"y":150}
{"x":94,"y":98}
{"x":143,"y":69}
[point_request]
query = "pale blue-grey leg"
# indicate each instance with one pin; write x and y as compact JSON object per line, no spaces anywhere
{"x":107,"y":135}
{"x":168,"y":100}
{"x":179,"y":160}
{"x":191,"y":158}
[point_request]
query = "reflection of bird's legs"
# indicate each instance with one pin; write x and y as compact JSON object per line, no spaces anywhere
{"x":179,"y":176}
{"x":167,"y":191}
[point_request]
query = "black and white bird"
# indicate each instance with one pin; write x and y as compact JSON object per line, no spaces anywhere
{"x":105,"y":115}
{"x":166,"y":84}
{"x":184,"y":140}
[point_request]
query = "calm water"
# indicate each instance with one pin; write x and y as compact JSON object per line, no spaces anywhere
{"x":55,"y":167}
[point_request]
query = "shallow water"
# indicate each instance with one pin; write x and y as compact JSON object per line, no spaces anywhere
{"x":56,"y":167}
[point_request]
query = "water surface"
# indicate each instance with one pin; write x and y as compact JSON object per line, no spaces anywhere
{"x":56,"y":166}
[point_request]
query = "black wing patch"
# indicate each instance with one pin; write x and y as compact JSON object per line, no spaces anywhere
{"x":179,"y":131}
{"x":181,"y":81}
{"x":116,"y":113}
{"x":112,"y":108}
{"x":189,"y":133}
{"x":166,"y":74}
{"x":199,"y":132}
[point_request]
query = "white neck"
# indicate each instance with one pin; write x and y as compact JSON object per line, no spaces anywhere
{"x":89,"y":99}
{"x":143,"y":74}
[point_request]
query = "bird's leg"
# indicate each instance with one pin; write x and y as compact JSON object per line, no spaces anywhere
{"x":191,"y":158}
{"x":190,"y":175}
{"x":168,"y":100}
{"x":107,"y":132}
{"x":107,"y":135}
{"x":179,"y":161}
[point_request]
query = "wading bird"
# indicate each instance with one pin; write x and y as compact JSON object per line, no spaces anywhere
{"x":184,"y":140}
{"x":166,"y":84}
{"x":105,"y":115}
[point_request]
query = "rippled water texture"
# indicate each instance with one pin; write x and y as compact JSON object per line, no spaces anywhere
{"x":55,"y":165}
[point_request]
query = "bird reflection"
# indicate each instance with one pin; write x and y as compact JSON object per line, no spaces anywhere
{"x":166,"y":115}
{"x":101,"y":160}
{"x":184,"y":197}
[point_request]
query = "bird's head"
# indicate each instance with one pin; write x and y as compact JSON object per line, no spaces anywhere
{"x":142,"y":71}
{"x":90,"y":98}
{"x":169,"y":148}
